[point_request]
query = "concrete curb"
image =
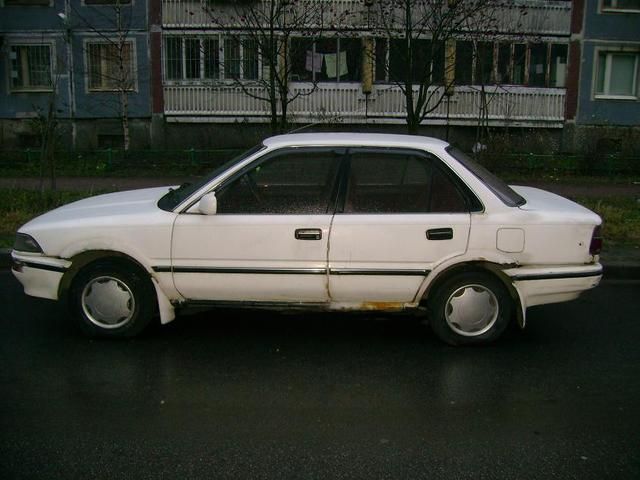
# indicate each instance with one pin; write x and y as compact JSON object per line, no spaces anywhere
{"x":612,"y":270}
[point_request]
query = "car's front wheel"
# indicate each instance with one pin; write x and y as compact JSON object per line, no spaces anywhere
{"x":112,"y":299}
{"x":470,"y":308}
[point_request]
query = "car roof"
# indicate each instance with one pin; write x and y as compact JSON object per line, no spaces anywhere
{"x":353,"y":139}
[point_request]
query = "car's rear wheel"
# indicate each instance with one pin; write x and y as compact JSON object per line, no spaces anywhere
{"x":112,"y":299}
{"x":470,"y":308}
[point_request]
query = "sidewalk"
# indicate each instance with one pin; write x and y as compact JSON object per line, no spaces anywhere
{"x":619,"y":262}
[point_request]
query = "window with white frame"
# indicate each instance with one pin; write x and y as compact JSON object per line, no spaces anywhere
{"x":30,"y":67}
{"x":28,"y":3}
{"x":621,"y":5}
{"x":326,"y":60}
{"x":210,"y":58}
{"x":533,"y":64}
{"x":107,"y":2}
{"x":617,"y":74}
{"x":110,"y":66}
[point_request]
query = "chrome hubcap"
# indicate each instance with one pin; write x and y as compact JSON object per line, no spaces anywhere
{"x":108,"y":302}
{"x":471,"y":310}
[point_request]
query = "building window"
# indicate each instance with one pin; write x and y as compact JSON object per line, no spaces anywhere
{"x":538,"y":65}
{"x":621,"y":5}
{"x":427,"y":61}
{"x":210,"y":58}
{"x":107,"y":2}
{"x":30,"y":67}
{"x":326,"y":60}
{"x":558,"y":65}
{"x":535,"y":65}
{"x":110,"y":66}
{"x":617,"y":74}
{"x":27,"y":3}
{"x":240,"y":59}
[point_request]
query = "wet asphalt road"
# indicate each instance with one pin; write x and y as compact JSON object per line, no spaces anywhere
{"x":221,"y":395}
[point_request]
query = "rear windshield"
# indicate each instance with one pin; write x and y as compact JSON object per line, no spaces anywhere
{"x":501,"y":190}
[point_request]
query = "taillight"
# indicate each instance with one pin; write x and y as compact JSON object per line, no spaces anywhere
{"x":596,"y":241}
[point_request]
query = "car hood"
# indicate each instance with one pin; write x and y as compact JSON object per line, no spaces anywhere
{"x":553,"y":205}
{"x":118,"y":204}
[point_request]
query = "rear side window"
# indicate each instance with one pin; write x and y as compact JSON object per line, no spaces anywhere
{"x":384,"y":181}
{"x":500,"y":189}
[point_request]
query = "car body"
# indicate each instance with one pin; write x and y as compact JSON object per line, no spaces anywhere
{"x":337,"y":221}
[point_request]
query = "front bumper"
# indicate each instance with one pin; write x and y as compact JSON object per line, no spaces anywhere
{"x":39,"y":275}
{"x":538,"y":285}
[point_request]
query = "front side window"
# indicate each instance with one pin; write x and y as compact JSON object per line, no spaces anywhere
{"x":30,"y":67}
{"x":110,"y":66}
{"x":617,"y":74}
{"x":297,"y":181}
{"x":399,"y":182}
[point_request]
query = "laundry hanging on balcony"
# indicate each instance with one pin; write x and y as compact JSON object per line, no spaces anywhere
{"x":314,"y":62}
{"x":336,"y":64}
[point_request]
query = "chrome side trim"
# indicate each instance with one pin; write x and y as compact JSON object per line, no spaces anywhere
{"x":560,"y":275}
{"x":394,"y":273}
{"x":292,"y":271}
{"x":240,"y":270}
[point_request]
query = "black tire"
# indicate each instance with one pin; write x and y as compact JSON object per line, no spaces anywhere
{"x":112,"y":299}
{"x":470,"y":308}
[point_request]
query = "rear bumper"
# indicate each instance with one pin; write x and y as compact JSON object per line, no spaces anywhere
{"x":540,"y":285}
{"x":39,"y":275}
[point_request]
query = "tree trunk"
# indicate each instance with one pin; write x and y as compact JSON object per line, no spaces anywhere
{"x":124,"y":111}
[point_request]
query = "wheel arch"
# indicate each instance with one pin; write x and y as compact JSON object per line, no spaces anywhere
{"x":86,"y":258}
{"x":483,"y":266}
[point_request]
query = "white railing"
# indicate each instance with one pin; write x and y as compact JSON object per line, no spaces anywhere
{"x":543,"y":17}
{"x":204,"y":14}
{"x":500,"y":105}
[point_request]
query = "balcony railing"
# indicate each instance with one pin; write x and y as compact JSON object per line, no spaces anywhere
{"x":543,"y":17}
{"x":345,"y":103}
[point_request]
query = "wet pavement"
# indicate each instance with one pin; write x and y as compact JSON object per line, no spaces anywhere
{"x":231,"y":394}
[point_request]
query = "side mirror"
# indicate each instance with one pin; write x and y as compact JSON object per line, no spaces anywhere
{"x":208,"y":204}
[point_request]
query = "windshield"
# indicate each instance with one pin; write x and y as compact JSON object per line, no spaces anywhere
{"x":503,"y":191}
{"x":176,"y":196}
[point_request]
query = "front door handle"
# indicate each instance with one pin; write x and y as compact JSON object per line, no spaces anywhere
{"x":440,"y":234}
{"x":308,"y":234}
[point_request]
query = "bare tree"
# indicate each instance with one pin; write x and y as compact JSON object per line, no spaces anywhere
{"x":268,"y":27}
{"x":46,"y":126}
{"x":421,"y":49}
{"x":110,"y":63}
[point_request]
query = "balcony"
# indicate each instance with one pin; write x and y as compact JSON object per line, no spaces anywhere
{"x":543,"y":17}
{"x":345,"y":103}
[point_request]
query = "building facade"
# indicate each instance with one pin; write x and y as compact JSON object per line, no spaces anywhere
{"x":174,"y":68}
{"x":521,"y":65}
{"x":604,"y":103}
{"x":85,"y":60}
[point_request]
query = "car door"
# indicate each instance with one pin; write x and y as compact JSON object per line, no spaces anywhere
{"x":268,"y":240}
{"x":402,"y":213}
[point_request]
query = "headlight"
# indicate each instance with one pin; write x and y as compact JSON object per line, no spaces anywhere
{"x":26,"y":243}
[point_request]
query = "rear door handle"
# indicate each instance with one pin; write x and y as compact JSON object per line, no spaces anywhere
{"x":440,"y":234}
{"x":308,"y":234}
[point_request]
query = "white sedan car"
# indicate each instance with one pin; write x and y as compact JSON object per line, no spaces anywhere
{"x":330,"y":221}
